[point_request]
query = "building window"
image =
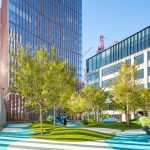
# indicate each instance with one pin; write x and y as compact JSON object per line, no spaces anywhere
{"x":95,"y":85}
{"x":117,"y":67}
{"x":148,"y":84}
{"x":111,"y":70}
{"x":104,"y":83}
{"x":96,"y":76}
{"x":105,"y":72}
{"x":148,"y":55}
{"x":94,"y":63}
{"x":93,"y":76}
{"x":107,"y":56}
{"x":99,"y":61}
{"x":140,"y":74}
{"x":148,"y":71}
{"x":128,"y":61}
{"x":90,"y":65}
{"x":139,"y":59}
{"x":141,"y":86}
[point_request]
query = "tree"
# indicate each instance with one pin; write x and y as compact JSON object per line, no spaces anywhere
{"x":61,"y":82}
{"x":100,"y":102}
{"x":42,"y":79}
{"x":76,"y":104}
{"x":89,"y":96}
{"x":95,"y":98}
{"x":29,"y":78}
{"x":125,"y":87}
{"x":144,"y":102}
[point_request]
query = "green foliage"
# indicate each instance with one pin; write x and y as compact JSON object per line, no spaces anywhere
{"x":42,"y":79}
{"x":125,"y":88}
{"x":135,"y":121}
{"x":105,"y":116}
{"x":144,"y":102}
{"x":75,"y":104}
{"x":89,"y":120}
{"x":116,"y":125}
{"x":50,"y":118}
{"x":95,"y":99}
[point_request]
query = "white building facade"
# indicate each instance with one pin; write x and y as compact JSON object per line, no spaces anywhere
{"x":103,"y":67}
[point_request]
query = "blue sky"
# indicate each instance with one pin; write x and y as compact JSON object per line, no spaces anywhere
{"x":115,"y":19}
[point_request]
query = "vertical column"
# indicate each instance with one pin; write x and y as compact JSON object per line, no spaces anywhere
{"x":17,"y":106}
{"x":21,"y":116}
{"x":100,"y":77}
{"x":13,"y":117}
{"x":132,"y":59}
{"x":145,"y":70}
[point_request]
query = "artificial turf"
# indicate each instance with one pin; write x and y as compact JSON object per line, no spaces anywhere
{"x":117,"y":125}
{"x":61,"y":133}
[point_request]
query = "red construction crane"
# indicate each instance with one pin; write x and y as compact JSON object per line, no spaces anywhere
{"x":101,"y":46}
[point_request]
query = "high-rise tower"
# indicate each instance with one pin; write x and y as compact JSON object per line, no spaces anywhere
{"x":38,"y":22}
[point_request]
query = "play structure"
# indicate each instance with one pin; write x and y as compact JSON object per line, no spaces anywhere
{"x":59,"y":118}
{"x":109,"y":120}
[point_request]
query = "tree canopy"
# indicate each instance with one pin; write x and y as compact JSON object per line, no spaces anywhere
{"x":42,"y":79}
{"x":126,"y":88}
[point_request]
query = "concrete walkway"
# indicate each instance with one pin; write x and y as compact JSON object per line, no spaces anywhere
{"x":37,"y":144}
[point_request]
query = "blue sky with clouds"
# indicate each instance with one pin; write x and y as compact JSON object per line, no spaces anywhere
{"x":115,"y":19}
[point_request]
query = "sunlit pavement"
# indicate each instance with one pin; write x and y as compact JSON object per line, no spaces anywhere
{"x":129,"y":142}
{"x":15,"y":137}
{"x":13,"y":133}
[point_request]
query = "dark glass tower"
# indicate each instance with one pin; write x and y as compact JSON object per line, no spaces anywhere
{"x":49,"y":22}
{"x":42,"y":22}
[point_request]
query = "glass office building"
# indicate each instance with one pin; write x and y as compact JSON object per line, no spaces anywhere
{"x":103,"y":67}
{"x":49,"y":22}
{"x":127,"y":47}
{"x":109,"y":60}
{"x":43,"y":22}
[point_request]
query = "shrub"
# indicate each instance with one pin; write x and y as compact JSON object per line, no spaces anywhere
{"x":50,"y":118}
{"x":104,"y":116}
{"x":88,"y":121}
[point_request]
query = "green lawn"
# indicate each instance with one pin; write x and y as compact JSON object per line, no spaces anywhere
{"x":61,"y":133}
{"x":117,"y":125}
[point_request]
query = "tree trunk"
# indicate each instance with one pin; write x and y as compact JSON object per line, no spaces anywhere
{"x":94,"y":116}
{"x":134,"y":114}
{"x":127,"y":109}
{"x":88,"y":118}
{"x":98,"y":113}
{"x":97,"y":116}
{"x":54,"y":117}
{"x":41,"y":120}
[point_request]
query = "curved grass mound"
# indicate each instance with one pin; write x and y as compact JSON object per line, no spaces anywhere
{"x":61,"y":133}
{"x":116,"y":125}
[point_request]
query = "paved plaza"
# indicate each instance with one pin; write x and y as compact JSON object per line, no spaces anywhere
{"x":15,"y":137}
